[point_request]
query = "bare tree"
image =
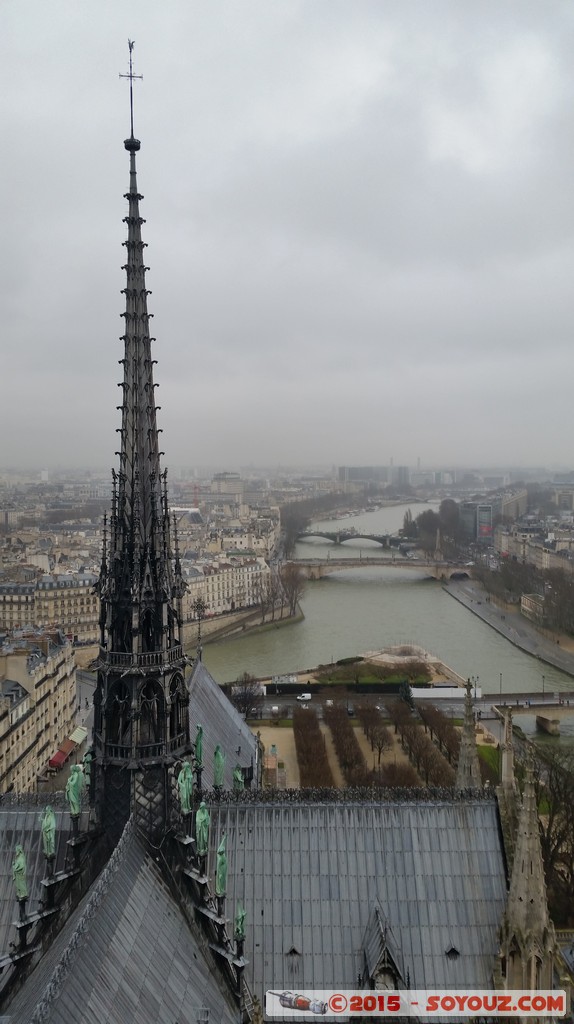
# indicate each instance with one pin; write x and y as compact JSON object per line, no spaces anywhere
{"x":246,"y":694}
{"x":554,"y":775}
{"x":293,"y":580}
{"x":262,"y":597}
{"x":274,"y":593}
{"x":381,"y":739}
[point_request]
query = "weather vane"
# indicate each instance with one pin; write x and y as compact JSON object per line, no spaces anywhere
{"x":131,"y":77}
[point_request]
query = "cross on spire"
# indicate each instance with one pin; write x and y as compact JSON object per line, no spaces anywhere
{"x":131,"y":77}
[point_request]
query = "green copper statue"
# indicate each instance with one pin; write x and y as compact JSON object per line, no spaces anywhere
{"x":238,"y":780}
{"x":221,"y":869}
{"x":199,"y":747}
{"x":19,"y":874}
{"x":87,"y":765}
{"x":185,"y":786}
{"x":218,"y":767}
{"x":74,"y":789}
{"x":49,"y":832}
{"x":239,"y":932}
{"x":202,"y":822}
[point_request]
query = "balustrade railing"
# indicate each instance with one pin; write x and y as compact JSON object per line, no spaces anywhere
{"x":149,"y":659}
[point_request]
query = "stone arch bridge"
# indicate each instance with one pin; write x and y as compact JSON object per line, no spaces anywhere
{"x":340,"y":536}
{"x":435,"y":568}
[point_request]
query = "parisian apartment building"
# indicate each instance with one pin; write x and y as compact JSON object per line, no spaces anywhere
{"x":66,"y":601}
{"x":37,"y":704}
{"x":225,"y":584}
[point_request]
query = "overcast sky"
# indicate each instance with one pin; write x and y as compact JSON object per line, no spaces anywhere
{"x":359,"y":219}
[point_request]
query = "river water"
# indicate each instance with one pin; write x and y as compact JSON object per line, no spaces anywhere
{"x":364,"y":609}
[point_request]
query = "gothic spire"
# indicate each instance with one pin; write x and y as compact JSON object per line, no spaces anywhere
{"x":139,"y":581}
{"x":141,"y":701}
{"x":468,"y":770}
{"x":527,"y":934}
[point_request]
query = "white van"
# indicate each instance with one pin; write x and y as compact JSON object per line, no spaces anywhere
{"x":304,"y":696}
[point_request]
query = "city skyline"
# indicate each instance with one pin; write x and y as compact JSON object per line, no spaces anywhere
{"x":358,"y":240}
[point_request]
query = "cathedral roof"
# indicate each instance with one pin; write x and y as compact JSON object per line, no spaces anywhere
{"x":222,"y":724}
{"x":20,"y":824}
{"x":126,"y":956}
{"x":309,"y":875}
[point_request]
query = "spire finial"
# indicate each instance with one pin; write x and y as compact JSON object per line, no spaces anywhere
{"x":131,"y":77}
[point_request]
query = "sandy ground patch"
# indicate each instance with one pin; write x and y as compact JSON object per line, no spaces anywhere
{"x":285,"y":742}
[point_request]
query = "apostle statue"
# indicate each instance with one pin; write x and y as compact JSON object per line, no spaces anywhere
{"x":221,"y":869}
{"x":87,"y":766}
{"x":49,"y":833}
{"x":238,"y":780}
{"x":19,"y":874}
{"x":239,"y":932}
{"x":218,"y":767}
{"x":185,"y":787}
{"x":74,"y":789}
{"x":202,"y":823}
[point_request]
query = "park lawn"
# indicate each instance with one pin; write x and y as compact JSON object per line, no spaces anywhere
{"x":491,"y":755}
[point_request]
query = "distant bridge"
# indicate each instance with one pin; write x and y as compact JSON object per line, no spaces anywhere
{"x":547,"y":714}
{"x":437,"y":568}
{"x":340,"y":536}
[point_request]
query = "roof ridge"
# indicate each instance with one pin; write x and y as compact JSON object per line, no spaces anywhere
{"x":99,"y":891}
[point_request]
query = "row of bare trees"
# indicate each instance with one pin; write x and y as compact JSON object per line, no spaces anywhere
{"x":314,"y":767}
{"x":280,"y":592}
{"x":349,"y":753}
{"x":375,"y":729}
{"x":441,"y":728}
{"x":430,"y":764}
{"x":447,"y":736}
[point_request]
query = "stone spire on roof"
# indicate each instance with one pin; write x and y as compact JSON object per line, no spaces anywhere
{"x":507,"y":752}
{"x":468,"y":770}
{"x":527,"y":933}
{"x":141,"y":695}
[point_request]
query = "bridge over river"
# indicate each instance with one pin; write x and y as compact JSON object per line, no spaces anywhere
{"x":436,"y":568}
{"x":340,"y":536}
{"x":548,"y":714}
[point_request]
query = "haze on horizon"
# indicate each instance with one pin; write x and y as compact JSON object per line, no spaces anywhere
{"x":359,"y":220}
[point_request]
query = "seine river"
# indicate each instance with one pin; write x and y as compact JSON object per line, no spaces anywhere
{"x":364,"y":609}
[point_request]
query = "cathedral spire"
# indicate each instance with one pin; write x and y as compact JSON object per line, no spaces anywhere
{"x":527,"y":934}
{"x":141,"y":699}
{"x":468,"y":770}
{"x":140,"y":584}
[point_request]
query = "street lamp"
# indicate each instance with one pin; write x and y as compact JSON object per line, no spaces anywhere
{"x":543,"y":680}
{"x":501,"y":687}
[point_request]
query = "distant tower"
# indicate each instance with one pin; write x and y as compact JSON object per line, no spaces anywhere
{"x":468,"y":770}
{"x":141,"y":701}
{"x":528,"y":940}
